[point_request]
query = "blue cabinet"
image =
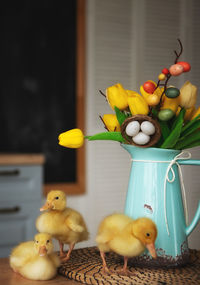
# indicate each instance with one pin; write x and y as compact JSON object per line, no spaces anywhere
{"x":21,"y":183}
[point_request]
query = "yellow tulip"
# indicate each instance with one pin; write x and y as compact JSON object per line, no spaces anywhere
{"x":117,"y":96}
{"x":132,"y":93}
{"x":111,"y":122}
{"x":188,"y":114}
{"x":195,"y":113}
{"x":170,"y":103}
{"x":137,"y":104}
{"x":152,"y":99}
{"x":188,"y":95}
{"x":178,"y":110}
{"x":159,"y":92}
{"x":73,"y":138}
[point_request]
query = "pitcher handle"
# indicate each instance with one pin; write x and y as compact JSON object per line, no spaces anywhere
{"x":194,"y":222}
{"x":189,"y":161}
{"x":196,"y":218}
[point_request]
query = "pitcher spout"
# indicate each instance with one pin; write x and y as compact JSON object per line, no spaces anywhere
{"x":194,"y":222}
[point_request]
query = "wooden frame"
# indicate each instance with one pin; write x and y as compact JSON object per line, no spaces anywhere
{"x":77,"y":187}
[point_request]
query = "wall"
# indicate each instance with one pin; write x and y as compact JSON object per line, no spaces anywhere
{"x":130,"y":42}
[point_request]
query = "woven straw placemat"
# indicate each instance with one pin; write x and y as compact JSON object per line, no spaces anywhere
{"x":85,"y":266}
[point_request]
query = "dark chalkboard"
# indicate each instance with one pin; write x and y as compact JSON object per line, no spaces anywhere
{"x":38,"y":81}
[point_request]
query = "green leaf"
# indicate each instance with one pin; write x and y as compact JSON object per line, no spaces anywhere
{"x":194,"y":126}
{"x":190,"y":123}
{"x":197,"y":143}
{"x":121,"y":117}
{"x":174,"y":121}
{"x":154,"y":112}
{"x":165,"y":131}
{"x":188,"y":140}
{"x":172,"y":139}
{"x":114,"y":136}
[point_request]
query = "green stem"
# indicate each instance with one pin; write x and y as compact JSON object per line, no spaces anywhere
{"x":113,"y":136}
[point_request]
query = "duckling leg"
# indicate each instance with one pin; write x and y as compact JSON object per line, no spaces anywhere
{"x":105,"y":267}
{"x":71,"y":247}
{"x":124,"y":270}
{"x":61,"y":245}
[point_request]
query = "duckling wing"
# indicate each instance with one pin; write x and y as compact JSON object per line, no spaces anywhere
{"x":55,"y":259}
{"x":21,"y":254}
{"x":126,"y":245}
{"x":75,"y":221}
{"x":72,"y":224}
{"x":104,"y":237}
{"x":75,"y":227}
{"x":111,"y":227}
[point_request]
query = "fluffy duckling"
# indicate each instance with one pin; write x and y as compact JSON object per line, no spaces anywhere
{"x":63,"y":223}
{"x":127,"y":237}
{"x":35,"y":259}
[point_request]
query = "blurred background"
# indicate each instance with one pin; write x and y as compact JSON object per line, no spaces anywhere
{"x":127,"y":41}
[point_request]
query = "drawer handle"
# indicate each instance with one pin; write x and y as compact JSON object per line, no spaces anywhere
{"x":14,"y":172}
{"x":9,"y":210}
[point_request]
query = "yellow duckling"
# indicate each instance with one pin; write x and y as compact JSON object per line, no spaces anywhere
{"x":35,"y":259}
{"x":127,"y":237}
{"x":64,"y":224}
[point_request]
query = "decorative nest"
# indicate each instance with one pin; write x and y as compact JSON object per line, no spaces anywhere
{"x":141,"y":118}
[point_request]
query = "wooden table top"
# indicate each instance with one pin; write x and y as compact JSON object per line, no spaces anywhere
{"x":8,"y":277}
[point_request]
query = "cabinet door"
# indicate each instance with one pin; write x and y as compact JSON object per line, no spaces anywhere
{"x":17,"y":224}
{"x":20,"y":183}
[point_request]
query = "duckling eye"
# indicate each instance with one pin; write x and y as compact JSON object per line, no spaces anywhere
{"x":148,"y":234}
{"x":57,"y":198}
{"x":36,"y":241}
{"x":48,"y":241}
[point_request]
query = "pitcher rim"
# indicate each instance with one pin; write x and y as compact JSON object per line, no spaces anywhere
{"x":153,"y":148}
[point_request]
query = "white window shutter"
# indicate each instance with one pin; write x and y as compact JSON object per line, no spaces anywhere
{"x":131,"y":41}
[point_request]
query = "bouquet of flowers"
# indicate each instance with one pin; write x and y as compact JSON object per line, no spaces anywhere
{"x":161,"y":116}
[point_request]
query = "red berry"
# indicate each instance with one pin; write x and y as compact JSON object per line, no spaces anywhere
{"x":149,"y":87}
{"x":165,"y":71}
{"x":186,"y":66}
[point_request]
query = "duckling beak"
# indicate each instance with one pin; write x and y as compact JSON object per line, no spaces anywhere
{"x":46,"y":206}
{"x":151,"y":249}
{"x":42,"y":250}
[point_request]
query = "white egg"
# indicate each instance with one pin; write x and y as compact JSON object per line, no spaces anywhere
{"x":141,"y":138}
{"x":148,"y":128}
{"x":133,"y":128}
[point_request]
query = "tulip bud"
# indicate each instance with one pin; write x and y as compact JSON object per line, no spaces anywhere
{"x":188,"y":95}
{"x":137,"y":104}
{"x":73,"y":138}
{"x":117,"y":96}
{"x":170,"y":103}
{"x":159,"y":91}
{"x":195,"y":113}
{"x":111,"y":122}
{"x":152,"y":99}
{"x":178,"y":110}
{"x":189,"y":113}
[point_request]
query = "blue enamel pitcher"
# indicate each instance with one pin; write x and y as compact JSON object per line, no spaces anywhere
{"x":155,"y":190}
